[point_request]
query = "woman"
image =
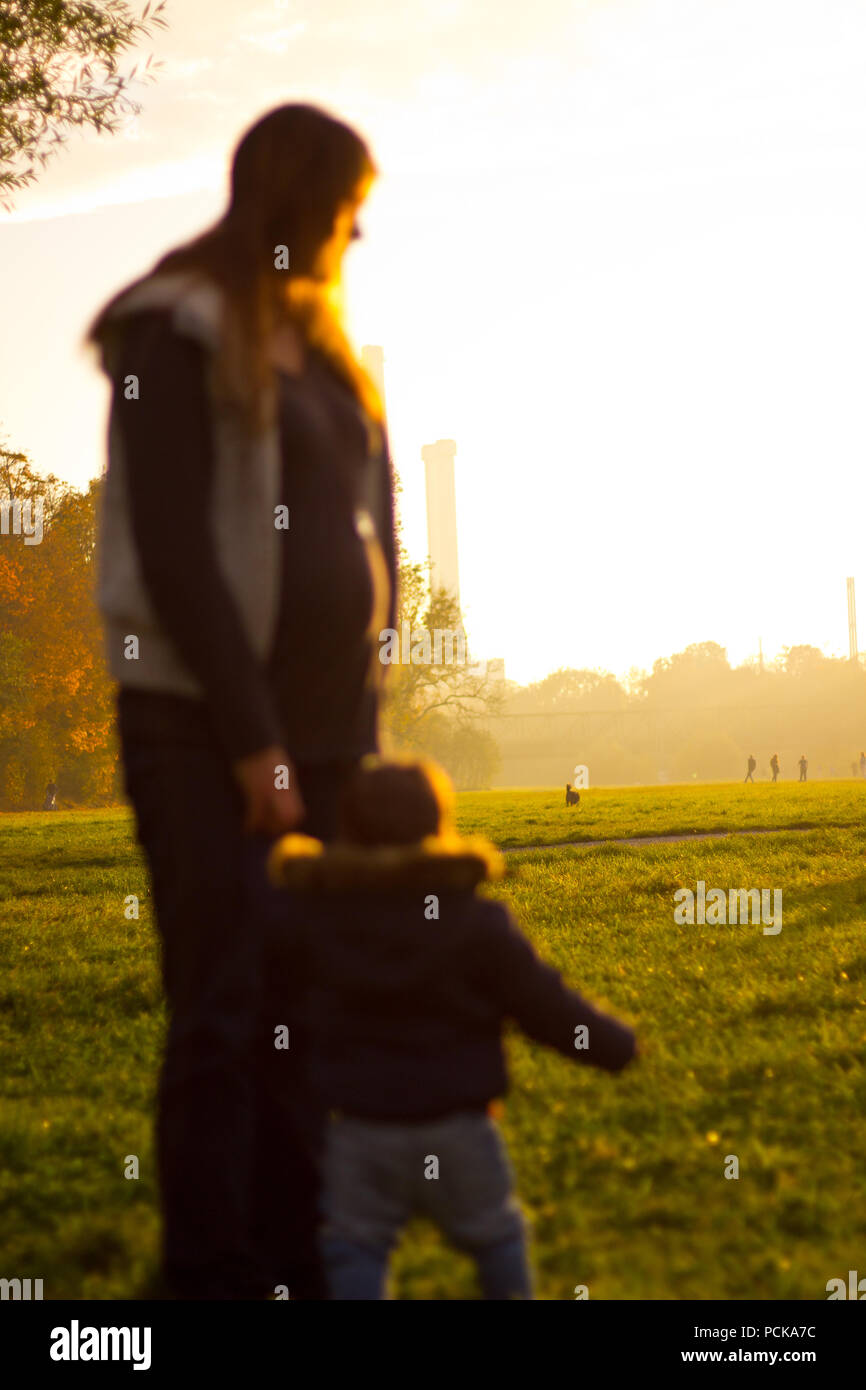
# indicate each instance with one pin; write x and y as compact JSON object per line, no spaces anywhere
{"x":247,"y":564}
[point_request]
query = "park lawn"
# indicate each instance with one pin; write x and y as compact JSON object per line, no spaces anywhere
{"x":752,"y":1045}
{"x":81,"y":1026}
{"x":538,"y":815}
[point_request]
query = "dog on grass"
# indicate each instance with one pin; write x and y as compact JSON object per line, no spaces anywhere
{"x":572,"y":797}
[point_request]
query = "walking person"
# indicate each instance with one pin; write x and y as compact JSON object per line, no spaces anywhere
{"x":774,"y":766}
{"x":751,"y":765}
{"x":247,"y":565}
{"x":803,"y":765}
{"x":863,"y":764}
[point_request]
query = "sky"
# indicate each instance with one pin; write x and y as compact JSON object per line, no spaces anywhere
{"x":616,"y":252}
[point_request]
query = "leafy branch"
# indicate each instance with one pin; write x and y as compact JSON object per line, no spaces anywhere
{"x":59,"y":69}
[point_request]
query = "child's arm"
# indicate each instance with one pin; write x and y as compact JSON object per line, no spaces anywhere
{"x":536,"y":997}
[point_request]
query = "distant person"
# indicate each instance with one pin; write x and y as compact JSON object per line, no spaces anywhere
{"x":863,"y":764}
{"x":406,"y":1013}
{"x":774,"y":766}
{"x":803,"y":764}
{"x":751,"y":765}
{"x":50,"y":802}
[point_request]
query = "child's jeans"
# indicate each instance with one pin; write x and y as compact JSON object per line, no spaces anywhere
{"x":455,"y":1171}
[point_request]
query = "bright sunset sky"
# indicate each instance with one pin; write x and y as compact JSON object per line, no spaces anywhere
{"x":618,"y":252}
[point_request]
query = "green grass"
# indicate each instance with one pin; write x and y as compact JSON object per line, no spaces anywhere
{"x":538,"y":815}
{"x":752,"y":1045}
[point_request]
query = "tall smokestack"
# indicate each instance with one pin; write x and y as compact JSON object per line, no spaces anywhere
{"x":442,"y":515}
{"x":852,"y":623}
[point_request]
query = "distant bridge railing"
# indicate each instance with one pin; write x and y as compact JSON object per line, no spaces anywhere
{"x":654,"y":723}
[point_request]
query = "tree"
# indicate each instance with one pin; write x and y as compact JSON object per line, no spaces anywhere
{"x":421,"y":691}
{"x":59,"y":69}
{"x":470,"y":755}
{"x":569,"y":690}
{"x":56,"y":707}
{"x":803,"y":661}
{"x":696,"y":676}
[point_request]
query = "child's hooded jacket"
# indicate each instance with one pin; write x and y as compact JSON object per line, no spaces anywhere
{"x":411,"y":978}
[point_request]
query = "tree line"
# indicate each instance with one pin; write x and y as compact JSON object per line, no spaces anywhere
{"x":693,"y":716}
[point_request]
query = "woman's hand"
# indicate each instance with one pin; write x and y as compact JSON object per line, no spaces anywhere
{"x":272,"y":804}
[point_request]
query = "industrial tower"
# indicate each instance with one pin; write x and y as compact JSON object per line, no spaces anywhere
{"x":442,"y":515}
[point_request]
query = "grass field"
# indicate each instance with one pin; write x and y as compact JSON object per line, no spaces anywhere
{"x":753,"y":1045}
{"x":534,"y":816}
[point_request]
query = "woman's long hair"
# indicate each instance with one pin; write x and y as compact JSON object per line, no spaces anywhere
{"x":290,"y":173}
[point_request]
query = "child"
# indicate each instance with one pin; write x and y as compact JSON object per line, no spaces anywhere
{"x":411,"y":980}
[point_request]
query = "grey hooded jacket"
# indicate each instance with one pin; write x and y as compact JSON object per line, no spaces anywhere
{"x":243,"y":508}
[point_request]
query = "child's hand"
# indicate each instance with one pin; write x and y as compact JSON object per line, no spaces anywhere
{"x":270,"y":807}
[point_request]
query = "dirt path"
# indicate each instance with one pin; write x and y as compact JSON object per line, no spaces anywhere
{"x":675,"y":839}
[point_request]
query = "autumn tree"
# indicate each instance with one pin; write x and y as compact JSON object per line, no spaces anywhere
{"x":56,"y":706}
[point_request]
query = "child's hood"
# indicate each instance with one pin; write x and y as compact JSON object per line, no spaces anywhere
{"x":450,"y":862}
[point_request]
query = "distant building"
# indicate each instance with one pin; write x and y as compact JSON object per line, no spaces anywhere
{"x":442,"y":515}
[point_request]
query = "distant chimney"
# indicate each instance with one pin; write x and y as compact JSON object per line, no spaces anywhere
{"x":442,"y":515}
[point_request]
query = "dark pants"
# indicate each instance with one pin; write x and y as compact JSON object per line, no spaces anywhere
{"x":239,"y":1133}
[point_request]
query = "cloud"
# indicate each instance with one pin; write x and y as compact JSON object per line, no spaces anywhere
{"x":175,"y":68}
{"x":164,"y":179}
{"x":277,"y":41}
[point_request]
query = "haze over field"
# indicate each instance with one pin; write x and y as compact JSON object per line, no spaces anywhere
{"x":616,"y":252}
